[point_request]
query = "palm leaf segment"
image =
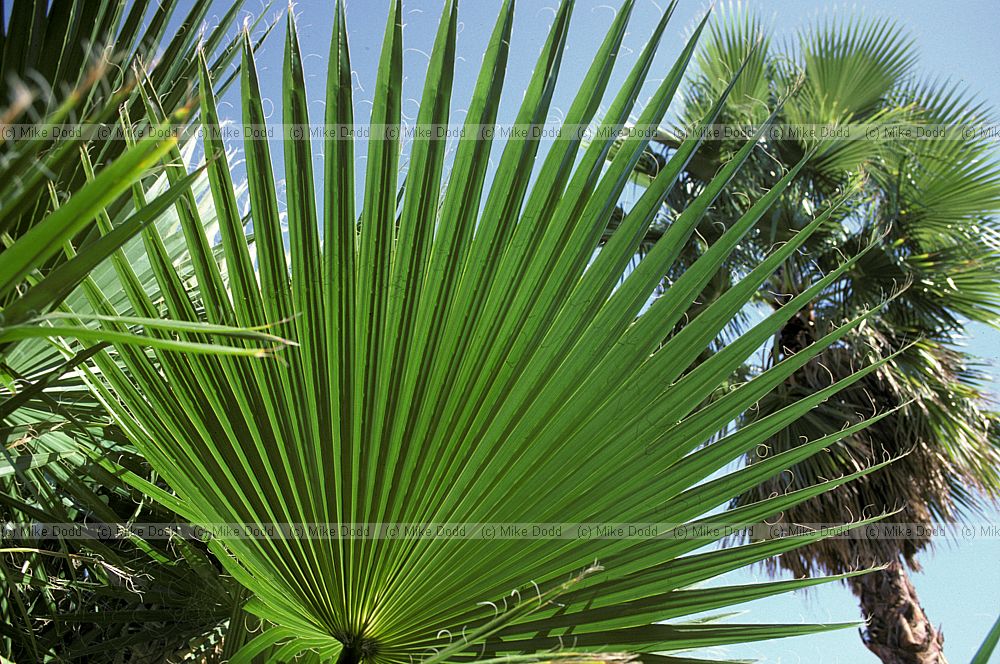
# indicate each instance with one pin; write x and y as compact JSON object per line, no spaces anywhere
{"x":464,"y":358}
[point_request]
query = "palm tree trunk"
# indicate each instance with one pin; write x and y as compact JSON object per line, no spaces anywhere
{"x":898,"y":631}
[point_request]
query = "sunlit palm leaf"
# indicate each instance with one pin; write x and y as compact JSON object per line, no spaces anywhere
{"x":465,"y":358}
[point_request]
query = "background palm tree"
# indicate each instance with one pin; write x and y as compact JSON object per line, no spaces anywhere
{"x":930,"y":204}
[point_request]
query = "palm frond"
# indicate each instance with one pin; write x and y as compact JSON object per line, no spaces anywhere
{"x":468,"y":363}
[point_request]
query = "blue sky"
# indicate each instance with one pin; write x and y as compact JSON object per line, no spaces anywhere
{"x":960,"y":584}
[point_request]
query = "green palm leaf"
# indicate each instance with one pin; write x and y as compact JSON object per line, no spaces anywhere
{"x":985,"y":651}
{"x":464,"y":358}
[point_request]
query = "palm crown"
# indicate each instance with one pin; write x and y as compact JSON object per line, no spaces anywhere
{"x":930,"y":203}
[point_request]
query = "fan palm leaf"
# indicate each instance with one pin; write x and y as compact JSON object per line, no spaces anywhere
{"x":465,"y":361}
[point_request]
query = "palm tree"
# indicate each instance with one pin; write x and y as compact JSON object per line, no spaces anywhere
{"x":929,"y":204}
{"x":464,"y":361}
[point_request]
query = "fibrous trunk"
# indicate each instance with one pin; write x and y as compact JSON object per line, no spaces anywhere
{"x":898,"y":630}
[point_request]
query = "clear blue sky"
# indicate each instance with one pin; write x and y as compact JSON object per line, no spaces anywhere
{"x":960,"y":585}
